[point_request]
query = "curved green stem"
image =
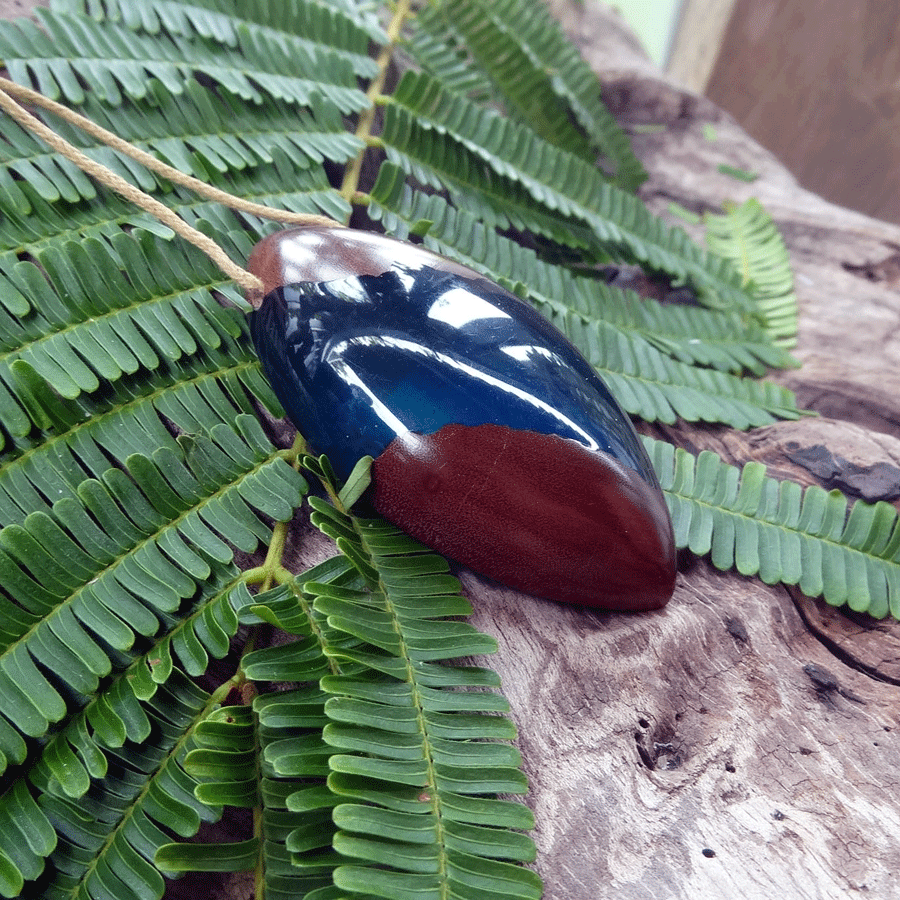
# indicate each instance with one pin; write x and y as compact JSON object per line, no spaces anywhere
{"x":402,"y":11}
{"x":272,"y":571}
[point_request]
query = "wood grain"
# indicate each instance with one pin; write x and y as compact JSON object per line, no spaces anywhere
{"x":816,"y":81}
{"x":743,"y":742}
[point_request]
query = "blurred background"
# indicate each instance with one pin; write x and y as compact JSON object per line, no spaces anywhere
{"x":817,"y":82}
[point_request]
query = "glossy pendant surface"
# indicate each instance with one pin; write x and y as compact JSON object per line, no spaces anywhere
{"x":494,"y":441}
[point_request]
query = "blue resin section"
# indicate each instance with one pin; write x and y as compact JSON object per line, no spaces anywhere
{"x":358,"y":361}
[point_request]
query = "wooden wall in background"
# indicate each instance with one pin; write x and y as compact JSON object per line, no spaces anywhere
{"x":818,"y":83}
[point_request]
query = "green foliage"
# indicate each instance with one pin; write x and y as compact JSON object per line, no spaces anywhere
{"x":748,"y":521}
{"x":540,"y":77}
{"x":73,"y":52}
{"x":416,"y":762}
{"x":747,"y":235}
{"x":424,"y":120}
{"x":138,"y":476}
{"x":106,"y":837}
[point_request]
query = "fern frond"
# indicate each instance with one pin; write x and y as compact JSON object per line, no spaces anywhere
{"x":27,"y":839}
{"x":224,"y":764}
{"x":333,"y":23}
{"x":303,"y":29}
{"x":747,"y":235}
{"x":567,"y":185}
{"x":497,"y":201}
{"x":106,"y":840}
{"x":196,"y":395}
{"x":203,"y":130}
{"x":76,"y":753}
{"x":297,"y":826}
{"x":206,"y":632}
{"x":416,"y":758}
{"x":784,"y":534}
{"x":99,"y":318}
{"x":439,"y":49}
{"x":273,"y":757}
{"x":541,"y":77}
{"x":47,"y":227}
{"x":110,"y":61}
{"x":143,"y":562}
{"x":24,"y":159}
{"x":658,"y":388}
{"x":230,"y":772}
{"x":520,"y":84}
{"x":278,"y":184}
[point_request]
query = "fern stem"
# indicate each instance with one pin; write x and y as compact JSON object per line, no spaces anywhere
{"x":272,"y":571}
{"x":402,"y":11}
{"x":413,"y":682}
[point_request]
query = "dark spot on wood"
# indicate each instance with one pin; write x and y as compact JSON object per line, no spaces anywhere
{"x":685,"y":561}
{"x":880,"y":481}
{"x":805,"y":751}
{"x":709,"y":854}
{"x":735,"y":627}
{"x":683,"y":295}
{"x":823,"y":680}
{"x":887,"y":269}
{"x":818,"y":459}
{"x":658,"y":751}
{"x":730,"y":768}
{"x":877,"y":482}
{"x":826,"y":684}
{"x":644,"y":754}
{"x":778,"y":815}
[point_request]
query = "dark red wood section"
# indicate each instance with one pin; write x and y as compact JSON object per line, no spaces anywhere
{"x":537,"y":512}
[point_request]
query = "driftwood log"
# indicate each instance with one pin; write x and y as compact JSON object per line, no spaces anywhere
{"x":745,"y":741}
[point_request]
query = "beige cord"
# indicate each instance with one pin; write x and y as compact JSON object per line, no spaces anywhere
{"x":250,"y":283}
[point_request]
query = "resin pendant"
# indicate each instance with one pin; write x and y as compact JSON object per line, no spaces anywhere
{"x":494,"y":441}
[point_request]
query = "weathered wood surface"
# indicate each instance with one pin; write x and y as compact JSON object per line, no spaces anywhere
{"x":745,"y":741}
